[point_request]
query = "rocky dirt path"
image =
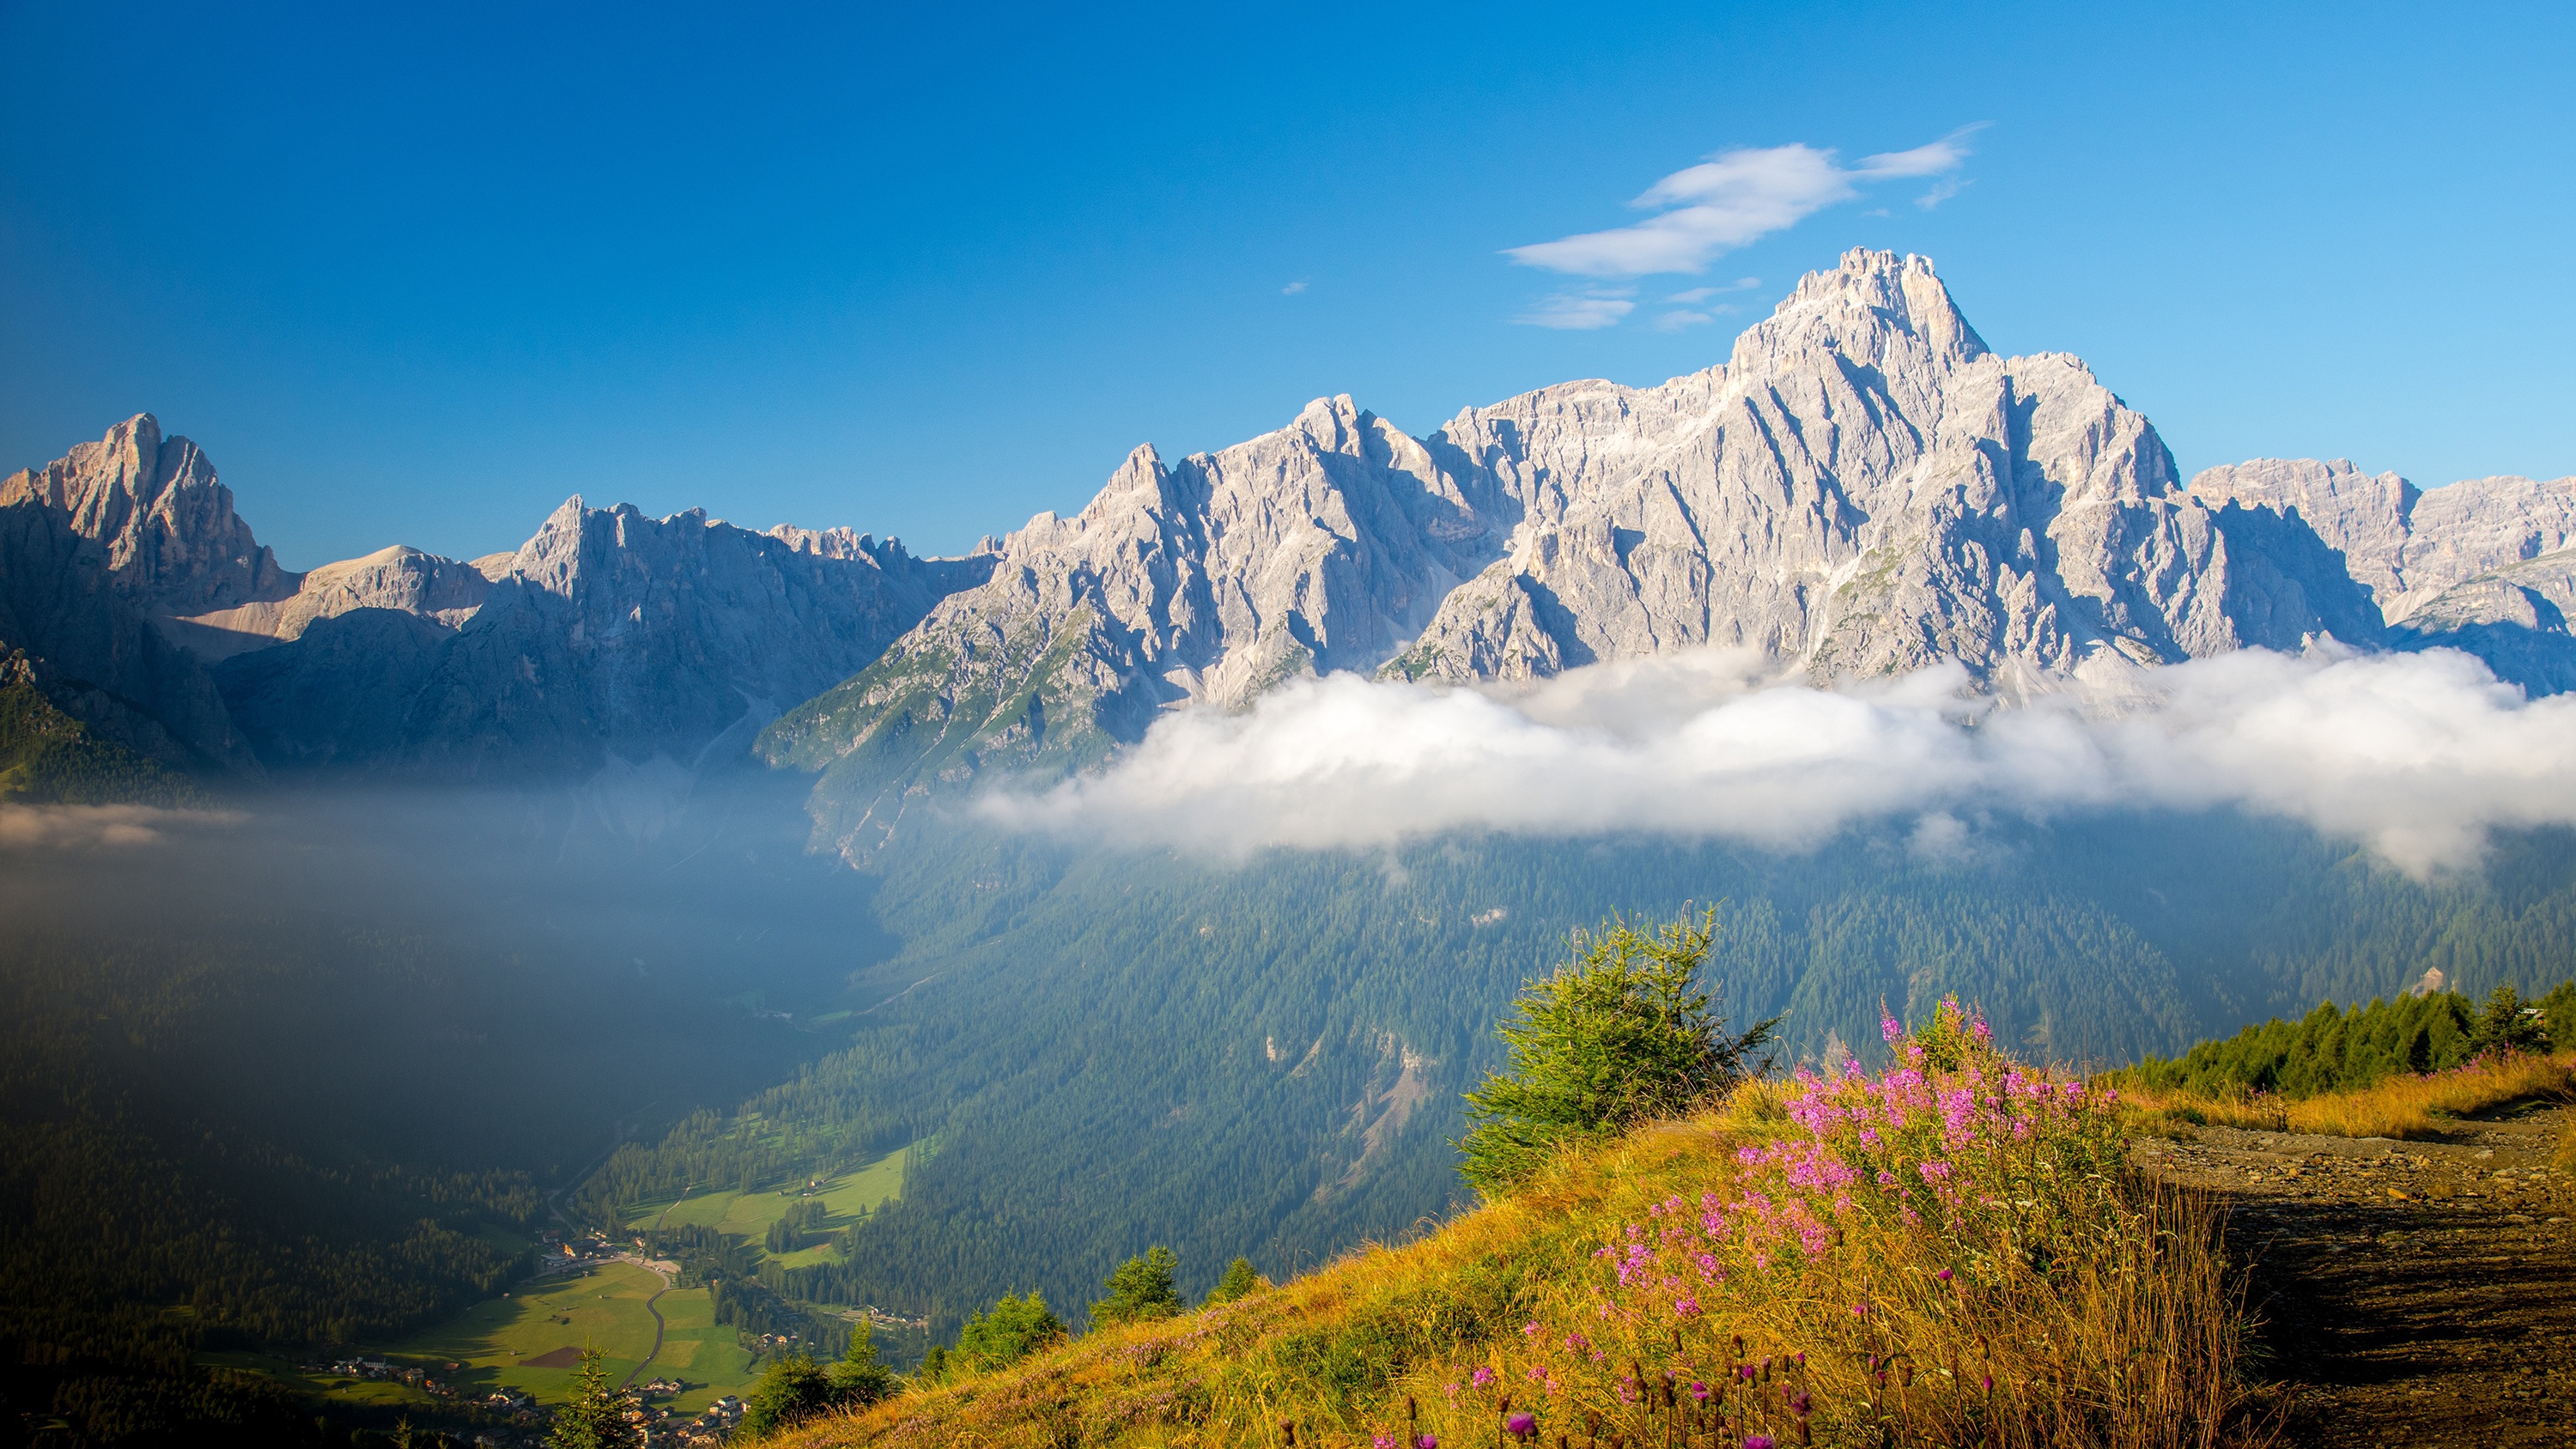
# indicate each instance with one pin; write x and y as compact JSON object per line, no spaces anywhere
{"x":2413,"y":1293}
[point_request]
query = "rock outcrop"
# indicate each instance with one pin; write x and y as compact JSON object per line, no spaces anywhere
{"x":2406,"y":545}
{"x":96,"y":656}
{"x":1862,"y":488}
{"x":607,"y":633}
{"x":1322,"y":546}
{"x":124,"y":571}
{"x":441,"y":591}
{"x":2483,"y":565}
{"x":163,"y":521}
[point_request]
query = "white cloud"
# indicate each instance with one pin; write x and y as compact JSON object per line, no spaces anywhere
{"x":2417,"y":756}
{"x":1676,"y":321}
{"x":1730,"y":200}
{"x":1579,"y":311}
{"x":1292,"y":289}
{"x":92,"y":827}
{"x":1702,"y":294}
{"x":1942,"y":190}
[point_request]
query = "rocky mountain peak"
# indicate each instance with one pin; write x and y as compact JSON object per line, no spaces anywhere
{"x":166,"y":522}
{"x":1878,"y":309}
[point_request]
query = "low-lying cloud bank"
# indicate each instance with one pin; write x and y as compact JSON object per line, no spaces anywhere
{"x":95,"y":827}
{"x":2417,"y":756}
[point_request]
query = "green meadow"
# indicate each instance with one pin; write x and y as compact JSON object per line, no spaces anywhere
{"x":498,"y":1340}
{"x":846,"y":1198}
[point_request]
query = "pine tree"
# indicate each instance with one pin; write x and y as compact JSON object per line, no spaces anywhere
{"x":793,"y":1387}
{"x":1620,"y":1036}
{"x":1141,"y":1287}
{"x":858,"y":1380}
{"x":595,"y":1416}
{"x":1239,"y":1280}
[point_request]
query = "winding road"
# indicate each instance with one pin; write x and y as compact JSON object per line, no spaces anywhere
{"x":658,"y":1324}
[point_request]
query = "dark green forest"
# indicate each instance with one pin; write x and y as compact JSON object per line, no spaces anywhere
{"x":49,"y":758}
{"x":314,"y":1086}
{"x":2347,"y":1049}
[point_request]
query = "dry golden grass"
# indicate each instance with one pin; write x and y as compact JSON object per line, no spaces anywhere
{"x":2104,"y":1319}
{"x":2401,"y":1107}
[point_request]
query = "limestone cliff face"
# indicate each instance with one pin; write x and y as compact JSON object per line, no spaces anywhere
{"x":1863,"y":488}
{"x":1322,"y":546}
{"x":2405,"y":544}
{"x":439,"y":591}
{"x":163,"y":522}
{"x":2487,"y":565}
{"x":124,"y":569}
{"x":608,"y":632}
{"x":97,"y":657}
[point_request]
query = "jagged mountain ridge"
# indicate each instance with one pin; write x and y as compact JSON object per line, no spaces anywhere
{"x":128,"y":573}
{"x":1862,"y":487}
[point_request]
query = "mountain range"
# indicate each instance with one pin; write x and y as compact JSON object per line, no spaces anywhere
{"x":1862,"y":488}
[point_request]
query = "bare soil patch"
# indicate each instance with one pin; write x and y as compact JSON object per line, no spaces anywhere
{"x":2419,"y":1293}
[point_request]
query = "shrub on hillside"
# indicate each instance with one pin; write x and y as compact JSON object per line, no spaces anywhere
{"x":1623,"y":1034}
{"x":1142,"y":1287}
{"x":1012,"y":1330}
{"x":1239,"y":1280}
{"x":795,"y":1388}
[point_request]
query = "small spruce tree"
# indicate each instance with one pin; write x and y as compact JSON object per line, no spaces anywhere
{"x":791,"y":1388}
{"x":1620,"y":1035}
{"x":1239,"y":1280}
{"x":2510,"y":1023}
{"x":594,"y":1417}
{"x":1142,"y":1287}
{"x":858,"y":1380}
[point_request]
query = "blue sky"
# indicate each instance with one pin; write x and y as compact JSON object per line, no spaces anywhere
{"x":415,"y":277}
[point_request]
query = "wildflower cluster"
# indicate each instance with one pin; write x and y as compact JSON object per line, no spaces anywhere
{"x":1872,"y":1221}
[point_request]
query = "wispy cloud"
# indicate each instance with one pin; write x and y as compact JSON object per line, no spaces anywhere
{"x":1679,"y":319}
{"x":2417,"y":756}
{"x":1730,"y":200}
{"x":1583,"y":311}
{"x":94,"y":827}
{"x":1702,"y":294}
{"x":1293,"y":288}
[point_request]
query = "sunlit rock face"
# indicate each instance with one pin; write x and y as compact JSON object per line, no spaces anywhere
{"x":163,"y":521}
{"x":608,"y":634}
{"x":1863,"y":488}
{"x":2487,"y":565}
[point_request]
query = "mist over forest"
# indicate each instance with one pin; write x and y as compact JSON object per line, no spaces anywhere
{"x":338,"y":1018}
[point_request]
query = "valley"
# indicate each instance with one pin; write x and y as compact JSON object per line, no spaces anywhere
{"x":867,"y":937}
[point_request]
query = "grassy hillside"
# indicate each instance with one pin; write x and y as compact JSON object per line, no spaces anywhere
{"x":1949,"y":1252}
{"x":1266,"y":1058}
